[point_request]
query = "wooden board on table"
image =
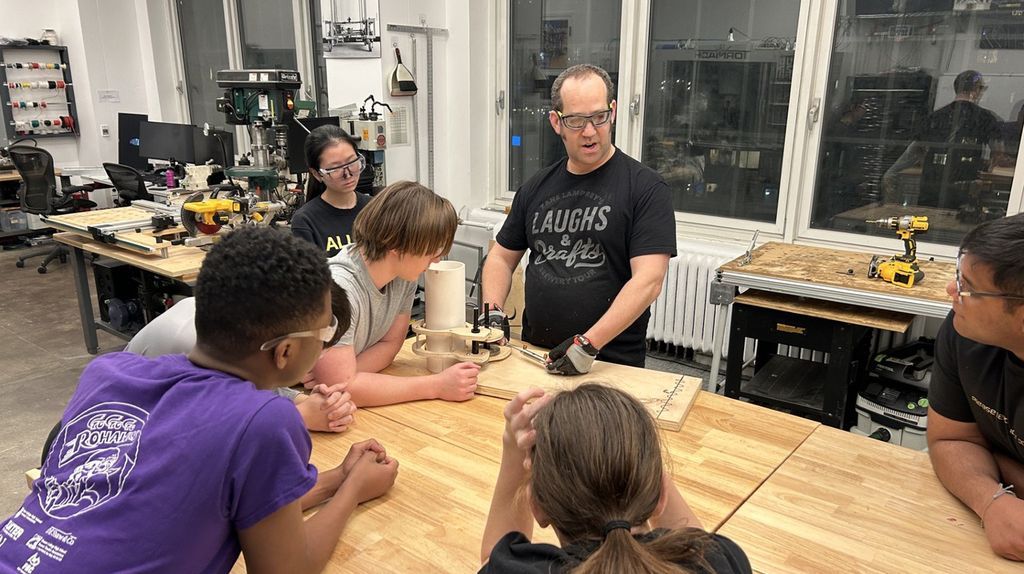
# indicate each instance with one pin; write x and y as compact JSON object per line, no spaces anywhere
{"x":669,"y":396}
{"x":829,"y":267}
{"x":843,"y":312}
{"x":846,"y":503}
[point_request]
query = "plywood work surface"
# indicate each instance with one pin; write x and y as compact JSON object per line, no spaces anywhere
{"x":830,"y":267}
{"x":846,"y":503}
{"x":843,"y":312}
{"x":667,"y":395}
{"x":182,"y":263}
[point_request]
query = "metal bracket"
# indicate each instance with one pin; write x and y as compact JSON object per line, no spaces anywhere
{"x":720,"y":293}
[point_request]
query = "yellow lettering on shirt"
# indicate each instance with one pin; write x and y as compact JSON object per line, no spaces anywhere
{"x":336,"y":242}
{"x":331,"y":244}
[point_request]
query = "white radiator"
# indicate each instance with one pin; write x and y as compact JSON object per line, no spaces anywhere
{"x":681,"y":315}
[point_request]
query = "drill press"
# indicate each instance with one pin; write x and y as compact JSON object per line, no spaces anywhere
{"x":900,"y":270}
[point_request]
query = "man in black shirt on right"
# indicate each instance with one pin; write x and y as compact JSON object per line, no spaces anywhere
{"x":976,"y":396}
{"x":950,"y":145}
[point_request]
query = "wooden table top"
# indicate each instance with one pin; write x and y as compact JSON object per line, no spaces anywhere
{"x":723,"y":452}
{"x":13,"y":175}
{"x":431,"y":521}
{"x":846,"y":503}
{"x":182,"y":263}
{"x":828,"y":267}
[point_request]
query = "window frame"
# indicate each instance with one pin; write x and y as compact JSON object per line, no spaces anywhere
{"x":802,"y":144}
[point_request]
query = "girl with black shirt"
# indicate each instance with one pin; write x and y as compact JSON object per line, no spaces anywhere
{"x":591,"y":464}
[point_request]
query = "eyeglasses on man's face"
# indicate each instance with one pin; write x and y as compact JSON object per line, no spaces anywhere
{"x":324,"y":334}
{"x":961,"y":292}
{"x":350,"y":169}
{"x":578,"y":122}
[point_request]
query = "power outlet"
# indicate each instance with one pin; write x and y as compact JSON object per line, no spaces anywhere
{"x":105,"y":130}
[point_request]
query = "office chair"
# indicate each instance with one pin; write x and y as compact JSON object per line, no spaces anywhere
{"x":38,"y":194}
{"x":128,"y":182}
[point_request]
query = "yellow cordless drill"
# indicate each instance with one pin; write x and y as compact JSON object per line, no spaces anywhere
{"x":900,"y":270}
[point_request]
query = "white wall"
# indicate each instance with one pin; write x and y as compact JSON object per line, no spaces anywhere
{"x":108,"y":50}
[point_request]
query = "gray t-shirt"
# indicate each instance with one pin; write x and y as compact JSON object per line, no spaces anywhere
{"x":373,"y":310}
{"x":174,"y":333}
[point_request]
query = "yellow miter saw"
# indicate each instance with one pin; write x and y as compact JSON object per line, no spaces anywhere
{"x":204,"y":216}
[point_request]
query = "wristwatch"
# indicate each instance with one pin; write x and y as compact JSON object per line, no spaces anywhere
{"x":585,"y":344}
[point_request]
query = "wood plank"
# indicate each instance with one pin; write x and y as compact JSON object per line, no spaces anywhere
{"x":667,"y":395}
{"x":829,"y":267}
{"x":843,"y":312}
{"x":182,"y":263}
{"x":723,"y":451}
{"x":14,"y":175}
{"x":847,"y":503}
{"x":431,"y":521}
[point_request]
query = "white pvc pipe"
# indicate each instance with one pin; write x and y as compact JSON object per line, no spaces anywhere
{"x":446,"y":308}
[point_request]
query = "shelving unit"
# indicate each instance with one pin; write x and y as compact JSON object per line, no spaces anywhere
{"x":37,"y":92}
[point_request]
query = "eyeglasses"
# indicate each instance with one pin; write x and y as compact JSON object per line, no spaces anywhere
{"x":960,"y":293}
{"x":350,"y":169}
{"x":325,"y":334}
{"x":577,"y":122}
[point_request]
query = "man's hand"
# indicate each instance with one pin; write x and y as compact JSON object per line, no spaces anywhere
{"x":327,"y":409}
{"x":356,"y":452}
{"x":497,"y":319}
{"x":1004,"y":527}
{"x":369,"y":477}
{"x":574,"y":356}
{"x":458,"y":382}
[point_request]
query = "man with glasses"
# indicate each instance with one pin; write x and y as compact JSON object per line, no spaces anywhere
{"x":600,"y":229}
{"x":175,"y":464}
{"x":976,"y":414}
{"x":950,"y":146}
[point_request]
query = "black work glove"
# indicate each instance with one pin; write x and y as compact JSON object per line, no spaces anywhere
{"x":574,"y":356}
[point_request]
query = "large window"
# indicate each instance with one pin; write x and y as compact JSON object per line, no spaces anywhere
{"x":267,"y":31}
{"x":546,"y":38}
{"x":204,"y":52}
{"x":924,"y":115}
{"x":718,"y":82}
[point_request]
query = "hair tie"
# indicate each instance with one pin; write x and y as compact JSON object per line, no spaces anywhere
{"x":615,"y":524}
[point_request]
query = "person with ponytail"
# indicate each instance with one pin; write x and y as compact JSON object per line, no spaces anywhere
{"x":607,"y":495}
{"x":332,"y":199}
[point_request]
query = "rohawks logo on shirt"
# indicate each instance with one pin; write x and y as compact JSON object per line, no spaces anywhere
{"x":566,"y":237}
{"x":91,"y":459}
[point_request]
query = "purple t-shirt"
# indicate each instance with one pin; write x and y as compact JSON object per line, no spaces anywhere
{"x":158,"y":465}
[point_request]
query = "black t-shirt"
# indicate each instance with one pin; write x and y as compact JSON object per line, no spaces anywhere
{"x":973,"y":382}
{"x":514,"y":553}
{"x":326,"y":226}
{"x":954,"y":137}
{"x":581,"y":231}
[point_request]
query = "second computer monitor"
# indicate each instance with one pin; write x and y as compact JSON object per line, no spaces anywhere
{"x":218,"y":146}
{"x":297,"y":139}
{"x":159,"y":140}
{"x":129,"y":140}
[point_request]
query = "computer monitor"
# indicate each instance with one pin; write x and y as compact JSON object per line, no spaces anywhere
{"x":159,"y":140}
{"x":297,"y":139}
{"x":209,"y":147}
{"x":128,"y":126}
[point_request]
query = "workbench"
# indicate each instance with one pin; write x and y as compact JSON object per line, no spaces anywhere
{"x":824,"y":274}
{"x":797,"y":496}
{"x":182,"y":264}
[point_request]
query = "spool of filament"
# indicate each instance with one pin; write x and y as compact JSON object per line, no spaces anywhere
{"x":51,"y":84}
{"x":35,"y":123}
{"x":60,"y":84}
{"x":57,"y":122}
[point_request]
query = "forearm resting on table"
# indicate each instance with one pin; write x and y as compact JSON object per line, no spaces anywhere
{"x":375,"y":389}
{"x":378,"y":356}
{"x":1011,"y":470}
{"x":327,"y":484}
{"x":967,"y":470}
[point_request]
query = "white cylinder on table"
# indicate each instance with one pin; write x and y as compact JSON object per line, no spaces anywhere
{"x":446,"y":308}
